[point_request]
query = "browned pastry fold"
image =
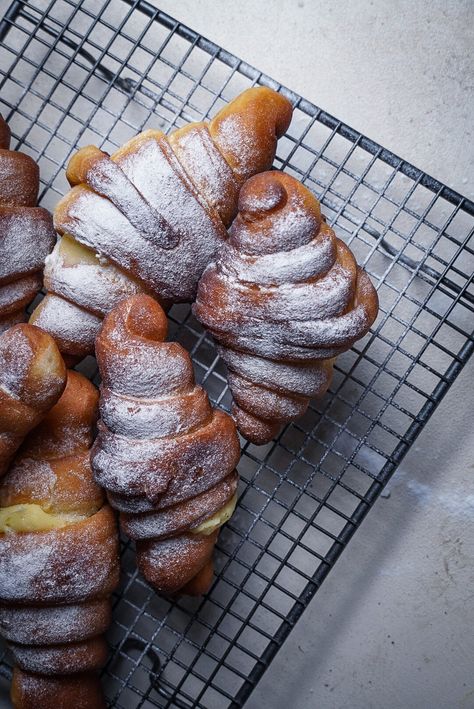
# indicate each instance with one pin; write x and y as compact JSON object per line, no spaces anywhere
{"x":151,"y":217}
{"x":32,"y":378}
{"x":79,"y":691}
{"x":165,"y":456}
{"x":282,"y":300}
{"x":58,"y":559}
{"x":26,"y":232}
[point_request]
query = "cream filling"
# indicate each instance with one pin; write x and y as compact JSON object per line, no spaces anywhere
{"x":32,"y":518}
{"x":218,"y":519}
{"x":73,"y":253}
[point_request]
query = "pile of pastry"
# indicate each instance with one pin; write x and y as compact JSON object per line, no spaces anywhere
{"x":196,"y":216}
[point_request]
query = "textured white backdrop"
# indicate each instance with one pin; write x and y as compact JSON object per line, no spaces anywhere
{"x":401,"y":72}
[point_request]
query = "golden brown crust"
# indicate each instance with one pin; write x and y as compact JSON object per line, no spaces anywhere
{"x":70,"y":425}
{"x":283,"y":298}
{"x":56,"y":581}
{"x":32,"y":378}
{"x":162,"y":453}
{"x":169,"y":565}
{"x":19,"y":259}
{"x":19,"y":179}
{"x":200,"y":583}
{"x":155,"y":213}
{"x":195,"y":137}
{"x":79,"y":328}
{"x":5,"y":134}
{"x":263,"y":116}
{"x":72,"y":488}
{"x":256,"y":429}
{"x":170,"y":521}
{"x":32,"y":691}
{"x":84,"y":656}
{"x":26,"y":232}
{"x":61,"y":442}
{"x":69,"y":564}
{"x":26,"y":290}
{"x":53,"y":625}
{"x":169,"y":467}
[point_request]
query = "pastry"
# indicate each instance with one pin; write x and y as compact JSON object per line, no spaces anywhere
{"x":152,"y":216}
{"x":282,"y":300}
{"x":26,"y":232}
{"x":58,"y":559}
{"x":32,"y":378}
{"x":165,"y":456}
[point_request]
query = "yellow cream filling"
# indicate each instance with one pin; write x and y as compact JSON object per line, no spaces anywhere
{"x":72,"y":252}
{"x":32,"y":518}
{"x":218,"y":519}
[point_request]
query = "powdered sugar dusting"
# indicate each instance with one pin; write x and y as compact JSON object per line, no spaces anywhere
{"x":61,"y":659}
{"x":39,"y":476}
{"x":106,"y":178}
{"x":207,"y":169}
{"x":284,"y":290}
{"x":67,"y":323}
{"x":54,"y":624}
{"x":144,"y":368}
{"x":235,"y":140}
{"x":26,"y":237}
{"x":189,"y":514}
{"x":21,"y":567}
{"x":96,"y":222}
{"x":18,"y":293}
{"x":264,"y":402}
{"x":26,"y":233}
{"x":7,"y":321}
{"x":307,"y":379}
{"x":162,"y":440}
{"x":320,"y":298}
{"x":156,"y":172}
{"x":153,"y":186}
{"x":16,"y":355}
{"x":96,"y":287}
{"x":163,"y":416}
{"x":281,"y":230}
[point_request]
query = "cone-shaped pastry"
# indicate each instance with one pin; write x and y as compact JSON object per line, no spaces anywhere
{"x":26,"y":232}
{"x":32,"y":378}
{"x":151,"y":217}
{"x":282,"y":300}
{"x":165,"y":456}
{"x":58,"y":559}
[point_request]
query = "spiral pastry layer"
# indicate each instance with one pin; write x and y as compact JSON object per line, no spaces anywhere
{"x":151,"y":217}
{"x":26,"y":232}
{"x":283,"y":298}
{"x":165,"y":456}
{"x":58,"y":559}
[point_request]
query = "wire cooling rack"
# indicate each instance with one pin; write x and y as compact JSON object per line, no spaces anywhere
{"x":73,"y":73}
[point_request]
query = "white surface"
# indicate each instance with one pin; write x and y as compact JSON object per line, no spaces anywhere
{"x":391,"y":628}
{"x":400,"y":72}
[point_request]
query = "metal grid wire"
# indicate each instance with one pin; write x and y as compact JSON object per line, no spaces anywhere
{"x":74,"y":73}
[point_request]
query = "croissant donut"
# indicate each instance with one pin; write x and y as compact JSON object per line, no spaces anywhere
{"x":165,"y":456}
{"x":26,"y":232}
{"x":152,"y":216}
{"x":283,"y":298}
{"x":58,"y":560}
{"x":32,"y":378}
